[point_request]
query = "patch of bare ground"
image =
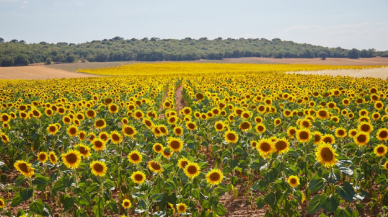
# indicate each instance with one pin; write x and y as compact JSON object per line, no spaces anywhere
{"x":318,"y":61}
{"x":179,"y":99}
{"x":357,"y":73}
{"x":161,"y":104}
{"x":37,"y":72}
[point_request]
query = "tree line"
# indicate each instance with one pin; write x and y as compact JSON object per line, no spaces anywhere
{"x":17,"y":53}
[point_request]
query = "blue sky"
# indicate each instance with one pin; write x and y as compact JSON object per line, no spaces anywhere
{"x":348,"y":24}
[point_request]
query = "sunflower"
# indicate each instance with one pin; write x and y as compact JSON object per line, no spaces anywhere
{"x":277,"y":121}
{"x":163,"y":130}
{"x":91,"y":113}
{"x":293,"y":181}
{"x":53,"y":158}
{"x":291,"y":131}
{"x":66,"y":120}
{"x":129,"y":131}
{"x":98,"y":144}
{"x":42,"y":157}
{"x":231,"y":136}
{"x":91,"y":136}
{"x":281,"y":145}
{"x":116,"y":137}
{"x":5,"y":118}
{"x":113,"y":108}
{"x":104,"y":136}
{"x":98,"y":168}
{"x":71,"y":159}
{"x":175,"y":144}
{"x":2,"y":204}
{"x":380,"y":150}
{"x":379,"y":105}
{"x":135,"y":157}
{"x":138,"y":177}
{"x":100,"y":124}
{"x":192,"y":170}
{"x":72,"y":130}
{"x":4,"y":138}
{"x":306,"y":123}
{"x":328,"y":138}
{"x":303,"y":135}
{"x":166,"y":153}
{"x":178,"y":131}
{"x":199,"y":96}
{"x":181,"y":207}
{"x":265,"y":147}
{"x":126,"y":204}
{"x":244,"y":126}
{"x":386,"y":165}
{"x":191,"y":125}
{"x":258,"y":120}
{"x":84,"y":150}
{"x":182,"y":163}
{"x":260,"y":128}
{"x":138,"y":114}
{"x":361,"y":138}
{"x":148,"y":123}
{"x":155,"y":166}
{"x":172,"y":119}
{"x":325,"y":155}
{"x":49,"y":112}
{"x":365,"y":127}
{"x":219,"y":126}
{"x":340,"y":132}
{"x":157,"y":147}
{"x":382,"y":134}
{"x":253,"y":144}
{"x":352,"y":133}
{"x":214,"y":177}
{"x":317,"y":137}
{"x":24,"y":168}
{"x":323,"y":114}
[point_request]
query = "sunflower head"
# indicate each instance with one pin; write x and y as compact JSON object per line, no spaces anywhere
{"x":361,"y":138}
{"x":328,"y":138}
{"x":214,"y":177}
{"x":157,"y":147}
{"x":181,"y":207}
{"x":53,"y":158}
{"x":129,"y":131}
{"x":365,"y":127}
{"x":303,"y":135}
{"x":340,"y":132}
{"x":380,"y":150}
{"x":138,"y":177}
{"x":72,"y":130}
{"x":42,"y":157}
{"x":291,"y":131}
{"x":231,"y":136}
{"x":155,"y":166}
{"x":84,"y":150}
{"x":98,"y":168}
{"x":382,"y":134}
{"x":24,"y":168}
{"x":71,"y":159}
{"x":182,"y":163}
{"x":192,"y":170}
{"x":135,"y":157}
{"x":116,"y":137}
{"x":100,"y":124}
{"x":126,"y":204}
{"x":265,"y":147}
{"x":245,"y":125}
{"x":281,"y":146}
{"x":293,"y":181}
{"x":175,"y":144}
{"x":326,"y":155}
{"x":191,"y":125}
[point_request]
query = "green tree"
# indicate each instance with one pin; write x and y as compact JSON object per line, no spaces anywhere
{"x":323,"y":55}
{"x":354,"y":54}
{"x":7,"y":61}
{"x":22,"y":60}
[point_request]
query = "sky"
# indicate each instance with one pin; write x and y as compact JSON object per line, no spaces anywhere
{"x":333,"y":23}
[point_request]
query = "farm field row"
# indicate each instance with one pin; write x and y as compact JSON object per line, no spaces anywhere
{"x":174,"y":139}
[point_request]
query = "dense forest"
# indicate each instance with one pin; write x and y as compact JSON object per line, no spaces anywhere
{"x":15,"y":52}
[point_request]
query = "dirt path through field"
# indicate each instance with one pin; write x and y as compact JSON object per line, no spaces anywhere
{"x":179,"y":99}
{"x":38,"y":72}
{"x":373,"y":73}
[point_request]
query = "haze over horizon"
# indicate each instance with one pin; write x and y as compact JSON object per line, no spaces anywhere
{"x":347,"y":24}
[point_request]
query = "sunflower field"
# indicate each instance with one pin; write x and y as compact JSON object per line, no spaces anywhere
{"x":190,"y":139}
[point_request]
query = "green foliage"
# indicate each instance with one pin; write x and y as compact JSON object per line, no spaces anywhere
{"x":155,"y":49}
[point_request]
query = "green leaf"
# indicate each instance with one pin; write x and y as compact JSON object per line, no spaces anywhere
{"x":157,"y":197}
{"x":26,"y":194}
{"x":260,"y":202}
{"x":270,"y":199}
{"x":98,"y":208}
{"x":220,"y":210}
{"x":17,"y":200}
{"x":68,"y":202}
{"x":40,"y":180}
{"x":20,"y":180}
{"x":315,"y":205}
{"x":346,"y":191}
{"x":112,"y":205}
{"x":170,"y":185}
{"x":330,"y":203}
{"x":317,"y":183}
{"x":37,"y":207}
{"x":109,"y":184}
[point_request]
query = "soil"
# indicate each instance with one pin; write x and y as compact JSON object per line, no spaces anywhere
{"x":318,"y":61}
{"x":37,"y":72}
{"x":179,"y":100}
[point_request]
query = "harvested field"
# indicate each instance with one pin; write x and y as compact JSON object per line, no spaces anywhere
{"x":318,"y":61}
{"x":372,"y":73}
{"x":37,"y":72}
